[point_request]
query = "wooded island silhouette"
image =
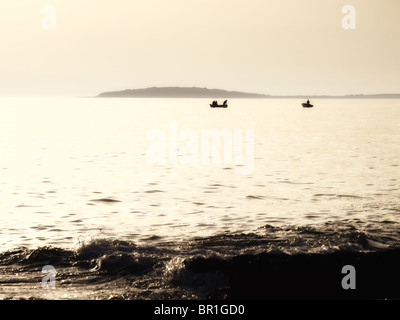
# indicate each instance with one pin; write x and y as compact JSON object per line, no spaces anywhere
{"x":196,"y":92}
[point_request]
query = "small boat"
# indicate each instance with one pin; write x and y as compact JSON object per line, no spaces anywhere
{"x":307,"y":105}
{"x":216,"y":105}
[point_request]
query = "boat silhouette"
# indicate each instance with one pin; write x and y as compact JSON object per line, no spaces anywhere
{"x":307,"y":105}
{"x":216,"y":105}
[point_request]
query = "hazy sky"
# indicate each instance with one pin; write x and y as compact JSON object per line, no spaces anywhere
{"x":263,"y":46}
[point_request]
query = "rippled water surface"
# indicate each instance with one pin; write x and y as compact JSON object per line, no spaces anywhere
{"x":74,"y":169}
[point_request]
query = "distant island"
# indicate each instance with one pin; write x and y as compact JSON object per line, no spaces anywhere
{"x":179,"y":92}
{"x":195,"y":92}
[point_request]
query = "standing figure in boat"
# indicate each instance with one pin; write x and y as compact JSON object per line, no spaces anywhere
{"x":307,"y":105}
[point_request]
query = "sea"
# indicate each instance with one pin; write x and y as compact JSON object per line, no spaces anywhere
{"x":164,"y":199}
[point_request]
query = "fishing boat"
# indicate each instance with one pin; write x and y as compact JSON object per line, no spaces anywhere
{"x":307,"y":105}
{"x":216,"y":105}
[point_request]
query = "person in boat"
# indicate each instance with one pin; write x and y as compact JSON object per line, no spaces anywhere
{"x":308,"y":101}
{"x":225,"y":102}
{"x":214,"y":103}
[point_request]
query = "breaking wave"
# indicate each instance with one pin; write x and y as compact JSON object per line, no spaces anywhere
{"x":270,"y":263}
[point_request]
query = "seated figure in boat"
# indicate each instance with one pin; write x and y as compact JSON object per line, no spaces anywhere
{"x":225,"y":102}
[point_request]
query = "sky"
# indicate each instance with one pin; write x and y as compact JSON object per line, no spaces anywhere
{"x":278,"y":47}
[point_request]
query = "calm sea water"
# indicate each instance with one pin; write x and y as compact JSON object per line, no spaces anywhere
{"x":73,"y":169}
